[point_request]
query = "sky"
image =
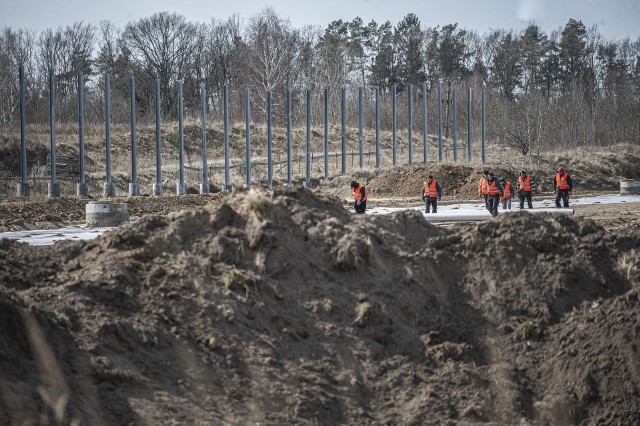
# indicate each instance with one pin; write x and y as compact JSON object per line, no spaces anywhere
{"x":616,"y":19}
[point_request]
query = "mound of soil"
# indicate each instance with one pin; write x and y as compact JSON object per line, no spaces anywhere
{"x":284,"y":308}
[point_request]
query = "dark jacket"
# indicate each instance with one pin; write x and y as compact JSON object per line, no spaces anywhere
{"x":437,"y":189}
{"x":510,"y":189}
{"x":569,"y":182}
{"x":498,"y":185}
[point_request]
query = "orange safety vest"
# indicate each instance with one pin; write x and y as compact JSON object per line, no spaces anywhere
{"x":561,"y":181}
{"x":483,"y":186}
{"x":493,"y":188}
{"x":524,"y":185}
{"x":507,"y":190}
{"x":430,"y":190}
{"x":357,"y":195}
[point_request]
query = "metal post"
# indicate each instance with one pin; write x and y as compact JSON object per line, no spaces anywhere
{"x":326,"y":134}
{"x":247,"y":132}
{"x":360,"y":136}
{"x":469,"y":123}
{"x":54,"y":186}
{"x":204,"y":186}
{"x":133,"y":186}
{"x":109,"y":187}
{"x":343,"y":109}
{"x":483,"y":125}
{"x":393,"y":124}
{"x":440,"y":121}
{"x":455,"y":126}
{"x":269,"y":142}
{"x":308,"y":168}
{"x":409,"y":121}
{"x":181,"y":188}
{"x":289,"y":148}
{"x":225,"y":96}
{"x":377,"y":127}
{"x":81,"y":188}
{"x":157,"y":186}
{"x":23,"y":186}
{"x":425,"y":152}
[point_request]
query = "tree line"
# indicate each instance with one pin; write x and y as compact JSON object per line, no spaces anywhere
{"x":571,"y":87}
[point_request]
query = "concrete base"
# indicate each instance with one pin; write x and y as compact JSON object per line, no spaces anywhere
{"x":204,"y":188}
{"x":23,"y":190}
{"x":109,"y":189}
{"x":630,"y":187}
{"x":134,"y":190}
{"x":106,"y":213}
{"x":181,"y":188}
{"x":82,"y":190}
{"x":158,"y":189}
{"x":53,"y":189}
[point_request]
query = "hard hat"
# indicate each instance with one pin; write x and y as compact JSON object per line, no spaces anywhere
{"x":354,"y":184}
{"x":430,"y":177}
{"x":523,"y":172}
{"x":560,"y":170}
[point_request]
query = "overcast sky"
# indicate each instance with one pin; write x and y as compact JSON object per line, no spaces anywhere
{"x":616,"y":19}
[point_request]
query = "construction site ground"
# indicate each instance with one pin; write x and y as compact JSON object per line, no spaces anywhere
{"x":282,"y":307}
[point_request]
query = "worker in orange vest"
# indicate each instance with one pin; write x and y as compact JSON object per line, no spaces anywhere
{"x":525,"y":188}
{"x":483,"y":187}
{"x":495,"y":191}
{"x":564,"y":186}
{"x":359,"y":196}
{"x":508,"y":193}
{"x":431,"y":194}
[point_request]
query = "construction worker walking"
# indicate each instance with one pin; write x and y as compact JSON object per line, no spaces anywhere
{"x":483,"y":187}
{"x":564,"y":186}
{"x":495,"y":192}
{"x":431,"y":194}
{"x":525,"y":188}
{"x":508,"y":193}
{"x":359,"y":196}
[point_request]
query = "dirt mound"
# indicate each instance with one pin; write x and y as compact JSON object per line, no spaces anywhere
{"x":283,"y":308}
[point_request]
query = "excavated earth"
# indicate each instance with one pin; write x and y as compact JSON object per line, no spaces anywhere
{"x":282,"y":307}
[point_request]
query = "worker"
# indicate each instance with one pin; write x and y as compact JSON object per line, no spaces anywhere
{"x":359,"y":196}
{"x":526,"y":186}
{"x":495,"y":191}
{"x":483,"y":187}
{"x":508,"y":193}
{"x":564,"y":187}
{"x":431,"y":194}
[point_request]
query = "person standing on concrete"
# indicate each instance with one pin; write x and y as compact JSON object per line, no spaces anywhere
{"x":525,"y":188}
{"x":495,"y":192}
{"x":359,"y":196}
{"x":431,"y":194}
{"x":483,"y":187}
{"x":564,"y":186}
{"x":508,"y":193}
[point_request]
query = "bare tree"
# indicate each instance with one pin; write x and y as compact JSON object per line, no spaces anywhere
{"x":16,"y":49}
{"x":160,"y":46}
{"x":272,"y":47}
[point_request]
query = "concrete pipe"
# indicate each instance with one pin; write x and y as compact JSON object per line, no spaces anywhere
{"x":106,"y":213}
{"x":629,"y":187}
{"x":464,"y":216}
